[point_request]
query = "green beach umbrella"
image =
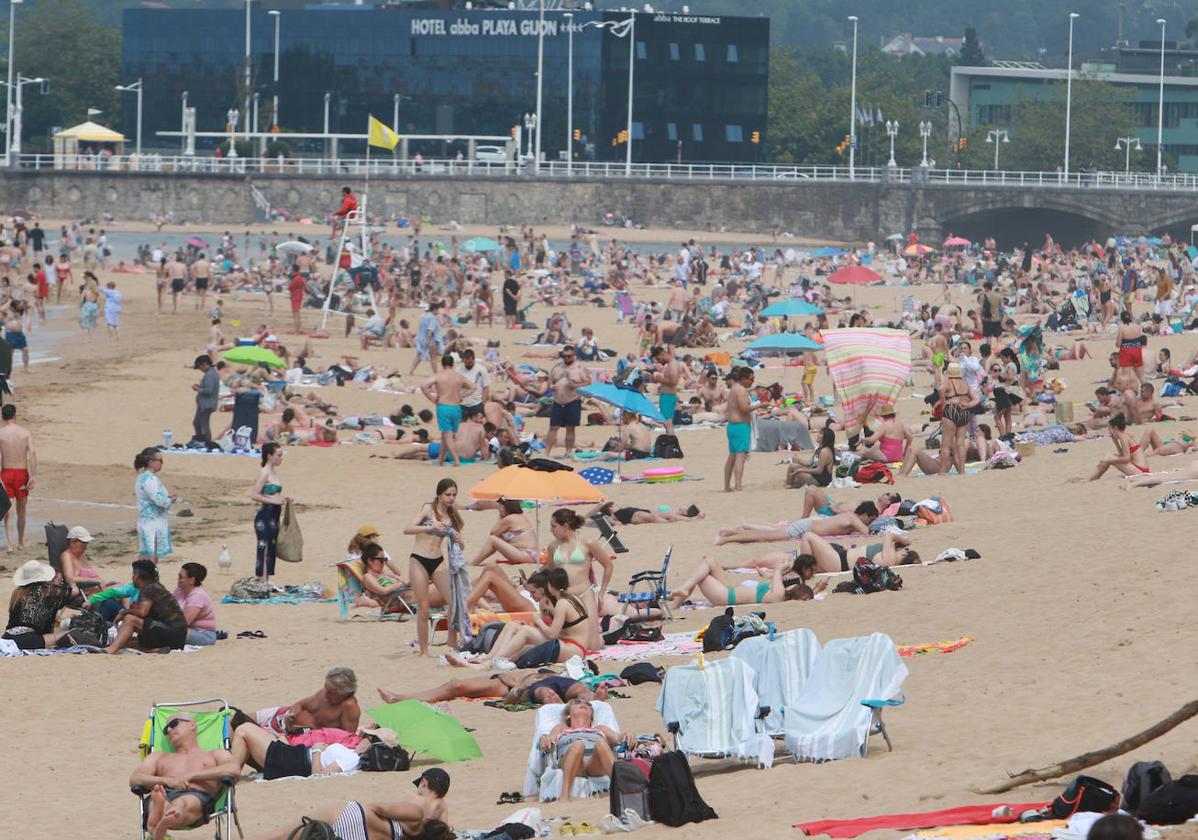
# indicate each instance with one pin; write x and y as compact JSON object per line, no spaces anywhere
{"x":480,"y":243}
{"x":422,"y":729}
{"x":252,"y":355}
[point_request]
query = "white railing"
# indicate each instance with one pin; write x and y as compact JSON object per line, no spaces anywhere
{"x":388,"y":167}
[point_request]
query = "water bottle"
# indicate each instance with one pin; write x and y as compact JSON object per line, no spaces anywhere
{"x":167,"y":437}
{"x":224,"y":561}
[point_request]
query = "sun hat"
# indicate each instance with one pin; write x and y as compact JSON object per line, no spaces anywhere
{"x":886,"y":411}
{"x":954,"y":371}
{"x":80,"y":533}
{"x":34,"y":571}
{"x":368,"y":531}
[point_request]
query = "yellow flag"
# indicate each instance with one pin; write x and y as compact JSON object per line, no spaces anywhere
{"x":381,"y":136}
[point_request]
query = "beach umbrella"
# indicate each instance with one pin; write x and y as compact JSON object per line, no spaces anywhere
{"x":284,"y":249}
{"x":917,"y":250}
{"x":783,"y":343}
{"x":422,"y":729}
{"x":826,"y":252}
{"x":253,"y":355}
{"x":480,"y":243}
{"x":895,"y":237}
{"x":196,"y":242}
{"x":857,"y":275}
{"x":789,"y":308}
{"x":957,"y":242}
{"x":1191,"y":252}
{"x":625,"y":399}
{"x":517,"y":482}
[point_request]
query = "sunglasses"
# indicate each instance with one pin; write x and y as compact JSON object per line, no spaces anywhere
{"x":172,"y":723}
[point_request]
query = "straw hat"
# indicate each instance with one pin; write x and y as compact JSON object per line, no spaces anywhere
{"x":886,"y":411}
{"x":33,"y":572}
{"x":954,"y":371}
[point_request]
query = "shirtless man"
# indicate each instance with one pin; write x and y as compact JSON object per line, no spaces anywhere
{"x":499,"y":415}
{"x":177,"y":272}
{"x":566,"y":377}
{"x":471,"y":440}
{"x":635,"y":438}
{"x":201,"y":273}
{"x":446,"y":388}
{"x":176,"y":801}
{"x":739,"y":433}
{"x":938,"y":344}
{"x":1142,"y":406}
{"x":18,"y":468}
{"x":679,"y":301}
{"x":14,"y":329}
{"x":333,"y":706}
{"x":1109,"y":404}
{"x":711,"y":390}
{"x":667,"y":373}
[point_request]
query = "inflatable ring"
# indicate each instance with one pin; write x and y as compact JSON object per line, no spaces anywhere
{"x":661,"y":475}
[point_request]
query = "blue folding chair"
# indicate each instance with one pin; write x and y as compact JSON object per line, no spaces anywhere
{"x":876,"y":726}
{"x":648,"y":588}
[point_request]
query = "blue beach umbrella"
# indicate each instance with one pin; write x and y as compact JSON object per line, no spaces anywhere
{"x":826,"y":252}
{"x":480,"y":243}
{"x":788,"y":308}
{"x":625,"y":399}
{"x":783,"y":343}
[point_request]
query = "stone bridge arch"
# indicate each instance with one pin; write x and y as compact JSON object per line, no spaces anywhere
{"x":1014,"y":216}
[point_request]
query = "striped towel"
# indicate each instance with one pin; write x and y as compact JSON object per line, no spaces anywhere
{"x":869,"y":368}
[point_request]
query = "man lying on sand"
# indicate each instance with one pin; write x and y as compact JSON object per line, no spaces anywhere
{"x":176,"y":800}
{"x":333,"y":706}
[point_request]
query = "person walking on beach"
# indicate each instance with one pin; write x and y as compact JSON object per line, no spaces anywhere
{"x":112,"y":310}
{"x":566,"y":378}
{"x":446,"y":388}
{"x":201,"y":273}
{"x":177,"y":272}
{"x":18,"y":470}
{"x":268,"y":493}
{"x":153,"y":502}
{"x":207,"y":394}
{"x":296,"y":288}
{"x":14,"y":330}
{"x":739,"y":433}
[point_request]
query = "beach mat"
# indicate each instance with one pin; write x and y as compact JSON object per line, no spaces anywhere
{"x":964,"y":815}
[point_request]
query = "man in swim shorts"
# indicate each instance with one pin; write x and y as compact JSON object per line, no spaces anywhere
{"x":446,"y":388}
{"x":740,"y":408}
{"x":18,"y":469}
{"x":667,"y":373}
{"x":566,"y":377}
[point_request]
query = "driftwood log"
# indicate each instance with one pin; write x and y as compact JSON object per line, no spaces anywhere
{"x":1089,"y":759}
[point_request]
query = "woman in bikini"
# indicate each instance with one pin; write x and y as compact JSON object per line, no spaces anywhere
{"x":641,"y":516}
{"x":819,"y":473}
{"x":581,"y":748}
{"x":380,"y":587}
{"x":1130,"y":458}
{"x":437,"y":521}
{"x":494,"y":584}
{"x":577,"y":555}
{"x":894,"y":550}
{"x":954,"y":424}
{"x":1129,"y":339}
{"x":712,"y":580}
{"x":513,"y":538}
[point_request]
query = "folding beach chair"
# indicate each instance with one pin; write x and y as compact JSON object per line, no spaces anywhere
{"x":648,"y":588}
{"x":712,"y":710}
{"x":213,"y":731}
{"x":543,"y":777}
{"x":782,"y":665}
{"x":851,"y":683}
{"x":607,"y":533}
{"x":396,"y":607}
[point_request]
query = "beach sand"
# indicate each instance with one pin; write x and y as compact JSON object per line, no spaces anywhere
{"x":1079,"y":607}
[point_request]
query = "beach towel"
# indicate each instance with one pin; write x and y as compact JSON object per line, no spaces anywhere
{"x":673,"y":644}
{"x":479,"y":618}
{"x":934,"y":647}
{"x":991,"y":831}
{"x":715,"y":705}
{"x":869,"y":367}
{"x":781,"y":666}
{"x":459,"y":588}
{"x":543,"y":777}
{"x":966,"y":815}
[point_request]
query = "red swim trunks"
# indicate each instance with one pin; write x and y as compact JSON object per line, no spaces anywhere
{"x":1131,"y":357}
{"x":14,"y":482}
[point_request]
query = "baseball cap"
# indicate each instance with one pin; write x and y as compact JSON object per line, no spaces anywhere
{"x":80,"y":533}
{"x":368,"y":531}
{"x":438,"y":780}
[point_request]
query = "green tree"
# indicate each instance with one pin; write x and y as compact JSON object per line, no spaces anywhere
{"x":60,"y":41}
{"x":971,"y":51}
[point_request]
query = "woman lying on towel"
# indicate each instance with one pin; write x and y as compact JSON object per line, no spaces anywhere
{"x":580,"y":747}
{"x":894,"y":550}
{"x":1152,"y":479}
{"x":713,"y":581}
{"x":641,"y":516}
{"x":828,"y":526}
{"x":817,"y":501}
{"x":529,"y":685}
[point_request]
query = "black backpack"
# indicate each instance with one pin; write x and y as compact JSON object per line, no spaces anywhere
{"x":718,"y":635}
{"x":310,"y":829}
{"x":629,"y":789}
{"x":673,"y":798}
{"x":1172,"y":803}
{"x":1085,"y":793}
{"x":380,"y":758}
{"x":1144,"y":778}
{"x":666,"y":446}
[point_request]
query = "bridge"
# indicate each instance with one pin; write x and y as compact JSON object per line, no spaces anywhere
{"x":828,"y":203}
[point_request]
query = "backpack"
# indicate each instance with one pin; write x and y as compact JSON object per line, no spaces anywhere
{"x":484,"y":639}
{"x":380,"y":758}
{"x":666,"y":446}
{"x":249,"y":589}
{"x":1144,"y":778}
{"x":1085,"y":793}
{"x":88,"y":629}
{"x":869,"y":578}
{"x":310,"y":829}
{"x":630,"y":788}
{"x":673,"y":798}
{"x":1171,"y":804}
{"x":718,"y":635}
{"x":987,"y":309}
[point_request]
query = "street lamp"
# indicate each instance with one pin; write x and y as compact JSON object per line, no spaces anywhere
{"x":232,"y":117}
{"x":19,"y":109}
{"x":624,"y":29}
{"x":1069,"y":92}
{"x":395,"y":113}
{"x":530,"y":126}
{"x":248,"y":82}
{"x":536,"y":159}
{"x":1127,"y":144}
{"x":183,"y":122}
{"x":996,"y":136}
{"x":925,"y":131}
{"x":327,"y":96}
{"x":853,"y":105}
{"x":569,"y":16}
{"x":12,"y":20}
{"x":892,"y":132}
{"x":1160,"y":105}
{"x":274,"y":110}
{"x":135,"y":88}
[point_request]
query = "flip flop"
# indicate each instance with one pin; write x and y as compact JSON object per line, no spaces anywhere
{"x":566,"y":829}
{"x":251,"y":634}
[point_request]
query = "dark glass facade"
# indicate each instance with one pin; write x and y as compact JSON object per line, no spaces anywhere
{"x":700,"y":81}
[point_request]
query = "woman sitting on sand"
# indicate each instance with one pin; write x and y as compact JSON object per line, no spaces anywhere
{"x":641,"y":516}
{"x":819,"y":472}
{"x":712,"y":580}
{"x":513,"y":539}
{"x":580,"y":747}
{"x":827,"y":526}
{"x":1130,"y":458}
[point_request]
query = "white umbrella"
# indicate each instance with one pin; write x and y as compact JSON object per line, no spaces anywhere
{"x":291,"y":247}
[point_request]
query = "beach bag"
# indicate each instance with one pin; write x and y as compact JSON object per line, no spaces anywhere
{"x":1171,"y":804}
{"x":673,"y":798}
{"x":1143,"y":779}
{"x":869,"y":578}
{"x":666,"y":446}
{"x":874,"y":473}
{"x":380,"y":758}
{"x":290,"y":543}
{"x":249,"y":589}
{"x":484,"y":639}
{"x":629,"y":788}
{"x":88,"y":629}
{"x":718,"y":635}
{"x":746,"y":626}
{"x":641,"y":672}
{"x":56,"y":543}
{"x":310,"y":829}
{"x":1085,"y":793}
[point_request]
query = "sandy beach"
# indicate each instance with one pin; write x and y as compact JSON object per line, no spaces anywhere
{"x":1079,"y":608}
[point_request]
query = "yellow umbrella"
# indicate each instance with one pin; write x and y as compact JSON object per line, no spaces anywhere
{"x":518,"y":482}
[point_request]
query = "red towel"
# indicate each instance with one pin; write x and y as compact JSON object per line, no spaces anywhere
{"x":965,"y":815}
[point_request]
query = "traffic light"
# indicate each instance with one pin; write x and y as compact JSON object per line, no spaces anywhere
{"x":963,"y":144}
{"x":927,"y":99}
{"x":755,"y":137}
{"x":844,"y":145}
{"x":577,"y":134}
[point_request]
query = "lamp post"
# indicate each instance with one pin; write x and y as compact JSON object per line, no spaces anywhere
{"x":624,"y":29}
{"x":248,"y":71}
{"x":1160,"y":106}
{"x":183,"y":123}
{"x":274,"y":108}
{"x":12,"y":21}
{"x":536,"y":158}
{"x":1127,"y":144}
{"x":997,"y":136}
{"x":19,"y":109}
{"x":327,"y":95}
{"x":530,"y":127}
{"x":853,"y":104}
{"x":925,"y":131}
{"x":892,"y":132}
{"x":569,"y":16}
{"x":395,"y":113}
{"x":135,"y":88}
{"x":232,"y":116}
{"x":1069,"y":92}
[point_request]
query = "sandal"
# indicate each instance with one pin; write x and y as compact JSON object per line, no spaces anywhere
{"x":566,"y":829}
{"x":585,"y":828}
{"x":509,"y":798}
{"x":251,"y":634}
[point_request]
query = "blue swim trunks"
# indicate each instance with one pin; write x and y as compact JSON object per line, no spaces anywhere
{"x":739,"y":437}
{"x":667,"y":403}
{"x":16,"y":340}
{"x":449,"y":418}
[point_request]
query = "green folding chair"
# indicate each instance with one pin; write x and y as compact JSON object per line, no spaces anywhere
{"x":213,"y":731}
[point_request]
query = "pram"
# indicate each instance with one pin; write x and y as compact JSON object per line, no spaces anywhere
{"x":1072,"y":314}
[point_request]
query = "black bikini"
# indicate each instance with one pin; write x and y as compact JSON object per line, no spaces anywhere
{"x":430,"y":564}
{"x":582,"y":613}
